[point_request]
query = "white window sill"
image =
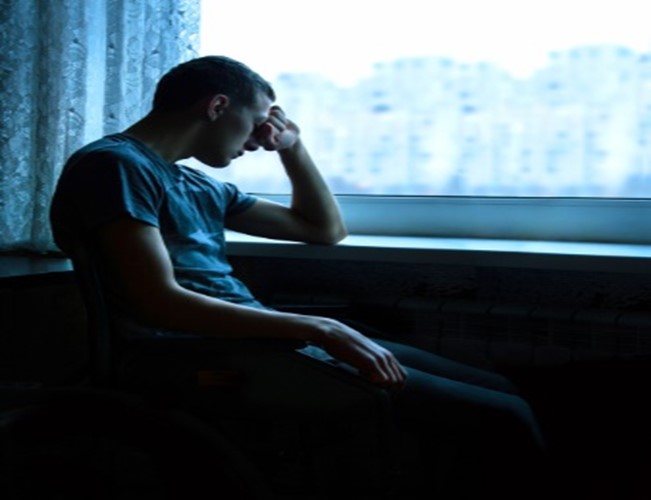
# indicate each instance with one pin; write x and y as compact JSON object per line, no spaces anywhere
{"x":580,"y":256}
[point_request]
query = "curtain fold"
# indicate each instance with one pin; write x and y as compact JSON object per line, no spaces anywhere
{"x":70,"y":72}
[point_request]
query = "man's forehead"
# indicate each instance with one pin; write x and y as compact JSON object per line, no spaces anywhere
{"x":262,"y":100}
{"x":262,"y":106}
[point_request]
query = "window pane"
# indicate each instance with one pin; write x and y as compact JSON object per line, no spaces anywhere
{"x":471,"y":97}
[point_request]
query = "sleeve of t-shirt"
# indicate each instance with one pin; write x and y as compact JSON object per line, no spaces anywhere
{"x":238,"y":201}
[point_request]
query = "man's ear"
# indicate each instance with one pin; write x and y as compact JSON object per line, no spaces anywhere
{"x":216,"y":105}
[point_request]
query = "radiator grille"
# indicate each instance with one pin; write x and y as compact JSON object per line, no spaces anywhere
{"x":523,"y":333}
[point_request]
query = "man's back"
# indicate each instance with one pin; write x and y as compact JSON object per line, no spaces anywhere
{"x":118,"y":176}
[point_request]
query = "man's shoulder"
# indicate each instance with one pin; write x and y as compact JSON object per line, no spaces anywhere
{"x":114,"y":146}
{"x":197,"y":175}
{"x":118,"y":156}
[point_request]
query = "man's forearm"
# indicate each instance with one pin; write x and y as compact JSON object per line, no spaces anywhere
{"x":311,"y":197}
{"x":176,"y":308}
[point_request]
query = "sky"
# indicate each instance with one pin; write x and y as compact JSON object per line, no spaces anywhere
{"x":343,"y":38}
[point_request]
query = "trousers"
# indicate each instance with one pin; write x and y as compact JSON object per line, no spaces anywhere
{"x":459,"y":432}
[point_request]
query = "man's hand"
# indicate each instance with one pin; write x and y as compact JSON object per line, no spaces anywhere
{"x":373,"y":361}
{"x":275,"y":134}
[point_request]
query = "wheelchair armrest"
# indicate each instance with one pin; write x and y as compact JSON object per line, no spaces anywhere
{"x":334,"y":311}
{"x":176,"y":344}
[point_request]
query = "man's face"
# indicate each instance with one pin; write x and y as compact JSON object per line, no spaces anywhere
{"x":233,"y":132}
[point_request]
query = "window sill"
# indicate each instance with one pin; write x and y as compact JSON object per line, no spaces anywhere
{"x":605,"y":257}
{"x":577,"y":256}
{"x":25,"y":269}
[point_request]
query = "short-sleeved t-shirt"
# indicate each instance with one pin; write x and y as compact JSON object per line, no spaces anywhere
{"x":119,"y":176}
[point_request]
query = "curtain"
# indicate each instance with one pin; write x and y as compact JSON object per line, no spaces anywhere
{"x":72,"y":71}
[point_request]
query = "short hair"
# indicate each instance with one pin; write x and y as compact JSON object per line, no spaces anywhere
{"x":191,"y":81}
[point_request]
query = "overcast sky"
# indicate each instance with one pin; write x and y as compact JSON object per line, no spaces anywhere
{"x":343,"y":38}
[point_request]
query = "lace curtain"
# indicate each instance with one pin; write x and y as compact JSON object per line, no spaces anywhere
{"x":70,"y":72}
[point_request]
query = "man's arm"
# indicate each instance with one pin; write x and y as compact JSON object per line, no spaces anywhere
{"x":313,"y":215}
{"x":140,"y":269}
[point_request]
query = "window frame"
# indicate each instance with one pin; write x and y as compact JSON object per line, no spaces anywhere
{"x":599,"y":220}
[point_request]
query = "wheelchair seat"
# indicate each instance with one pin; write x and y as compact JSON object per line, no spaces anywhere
{"x":86,"y":442}
{"x":312,"y":430}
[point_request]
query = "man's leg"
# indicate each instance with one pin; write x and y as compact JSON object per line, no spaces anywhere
{"x":472,"y":442}
{"x":434,"y":364}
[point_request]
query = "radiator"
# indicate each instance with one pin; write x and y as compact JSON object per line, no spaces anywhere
{"x":523,"y":333}
{"x":488,"y":332}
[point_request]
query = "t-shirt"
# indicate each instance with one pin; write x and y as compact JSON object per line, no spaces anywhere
{"x":119,"y":176}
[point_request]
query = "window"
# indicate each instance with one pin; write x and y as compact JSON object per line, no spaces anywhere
{"x":506,"y":118}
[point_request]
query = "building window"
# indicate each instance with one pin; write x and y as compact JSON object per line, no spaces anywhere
{"x":513,"y":99}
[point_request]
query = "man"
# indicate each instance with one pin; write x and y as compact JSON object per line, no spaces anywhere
{"x":159,"y":230}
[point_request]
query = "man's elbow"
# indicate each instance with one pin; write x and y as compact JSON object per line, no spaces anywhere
{"x":339,"y":235}
{"x":333,"y":236}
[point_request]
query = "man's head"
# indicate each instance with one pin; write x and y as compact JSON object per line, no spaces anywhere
{"x":194,"y":80}
{"x":227,"y":100}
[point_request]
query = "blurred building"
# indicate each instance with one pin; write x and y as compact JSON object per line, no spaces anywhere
{"x":434,"y":126}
